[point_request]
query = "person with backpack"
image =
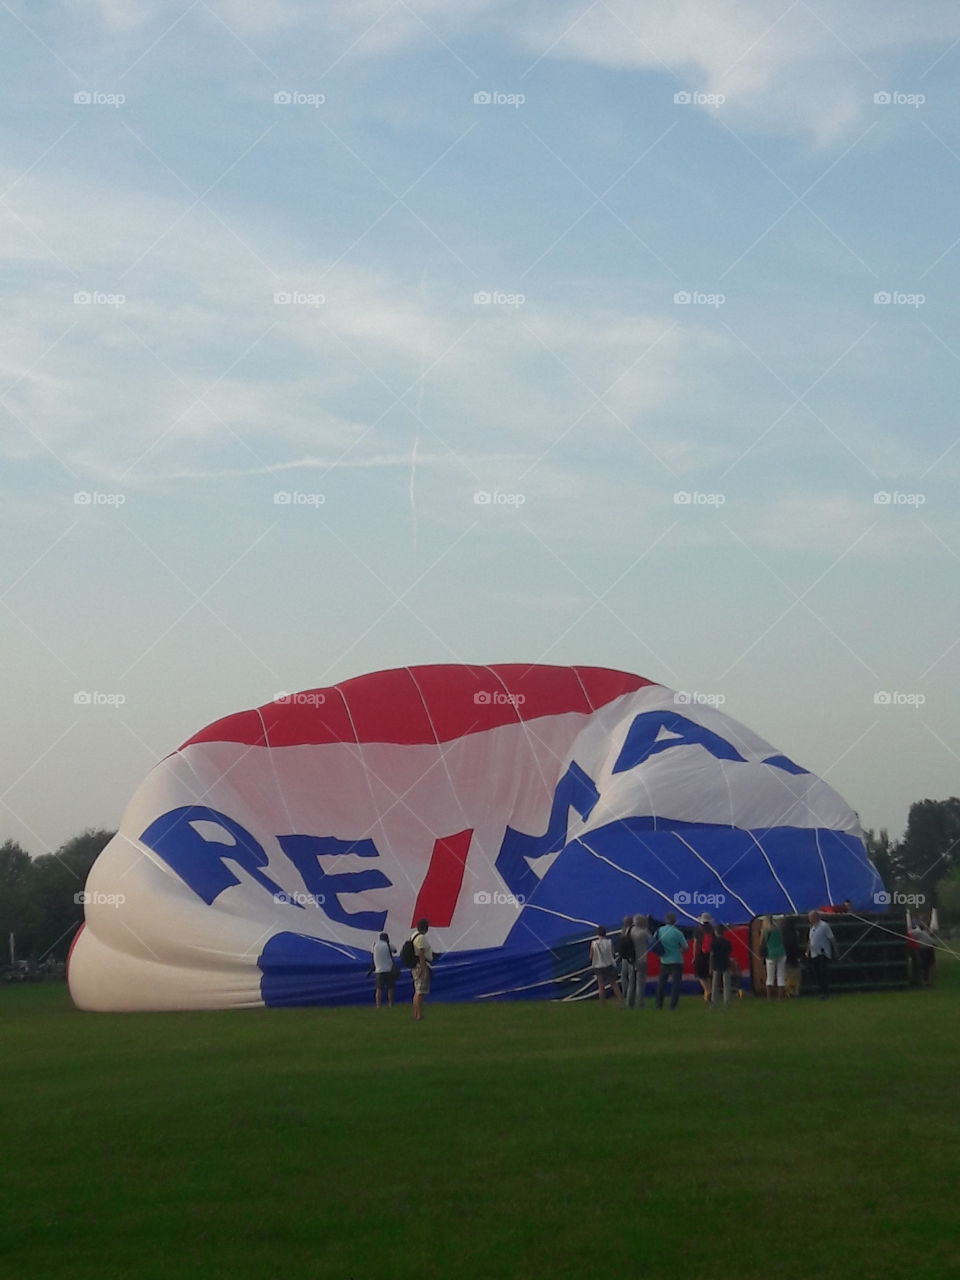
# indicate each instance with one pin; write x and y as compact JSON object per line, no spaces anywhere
{"x":721,"y":967}
{"x":417,"y":955}
{"x":628,"y":957}
{"x":604,"y":969}
{"x":669,"y":944}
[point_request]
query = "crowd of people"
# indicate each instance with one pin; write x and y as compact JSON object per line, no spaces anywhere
{"x":714,"y":965}
{"x":622,"y":967}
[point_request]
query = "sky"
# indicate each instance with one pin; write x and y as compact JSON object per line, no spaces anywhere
{"x":346,"y":336}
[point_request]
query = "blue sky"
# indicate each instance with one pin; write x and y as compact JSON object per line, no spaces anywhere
{"x":214,"y":297}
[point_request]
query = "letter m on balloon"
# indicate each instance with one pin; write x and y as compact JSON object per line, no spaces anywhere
{"x":575,"y":790}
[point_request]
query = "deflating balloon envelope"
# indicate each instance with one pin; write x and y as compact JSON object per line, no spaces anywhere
{"x":515,"y":807}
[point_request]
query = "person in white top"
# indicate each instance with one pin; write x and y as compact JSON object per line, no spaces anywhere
{"x":927,"y":953}
{"x":421,"y":970}
{"x":822,"y":949}
{"x":385,"y":970}
{"x":602,"y":963}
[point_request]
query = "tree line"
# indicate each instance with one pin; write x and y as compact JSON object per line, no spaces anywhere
{"x":40,"y":900}
{"x":925,"y":862}
{"x":39,"y":897}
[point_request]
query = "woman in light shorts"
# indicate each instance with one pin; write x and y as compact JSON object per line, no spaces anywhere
{"x":602,"y":964}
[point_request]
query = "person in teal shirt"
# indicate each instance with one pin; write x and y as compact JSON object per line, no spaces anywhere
{"x":774,"y":953}
{"x":673,"y":943}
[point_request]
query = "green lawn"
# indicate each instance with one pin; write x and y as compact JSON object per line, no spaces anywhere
{"x":544,"y":1141}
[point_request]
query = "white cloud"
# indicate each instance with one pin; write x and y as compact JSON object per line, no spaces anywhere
{"x":198,"y":358}
{"x":792,"y":68}
{"x":125,"y":15}
{"x":807,"y":69}
{"x":821,"y":523}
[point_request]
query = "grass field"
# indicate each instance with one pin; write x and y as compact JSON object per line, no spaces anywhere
{"x":544,"y":1141}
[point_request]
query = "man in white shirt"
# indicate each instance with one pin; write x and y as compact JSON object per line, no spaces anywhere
{"x":822,"y":949}
{"x":421,"y":970}
{"x":384,"y":969}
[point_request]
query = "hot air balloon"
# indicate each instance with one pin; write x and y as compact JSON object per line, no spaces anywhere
{"x":515,"y":807}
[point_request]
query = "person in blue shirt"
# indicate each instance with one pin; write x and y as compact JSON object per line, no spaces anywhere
{"x":673,"y":945}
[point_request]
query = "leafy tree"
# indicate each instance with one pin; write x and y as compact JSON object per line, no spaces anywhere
{"x":14,"y":873}
{"x":948,"y":898}
{"x":930,"y":848}
{"x":884,"y":854}
{"x":55,"y":883}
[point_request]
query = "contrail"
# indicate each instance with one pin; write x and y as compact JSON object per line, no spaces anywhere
{"x":416,"y":429}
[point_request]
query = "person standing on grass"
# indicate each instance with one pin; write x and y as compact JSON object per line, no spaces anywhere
{"x":628,"y":973}
{"x":604,"y":969}
{"x":385,"y":970}
{"x":721,"y":974}
{"x":640,"y":934}
{"x":927,"y":953}
{"x":421,"y":970}
{"x":775,"y":954}
{"x":702,"y":943}
{"x":672,"y":945}
{"x":822,"y":949}
{"x":791,"y":955}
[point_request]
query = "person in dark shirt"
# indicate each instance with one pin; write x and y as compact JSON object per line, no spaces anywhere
{"x":721,"y":977}
{"x":702,"y":944}
{"x":791,"y":940}
{"x":791,"y":948}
